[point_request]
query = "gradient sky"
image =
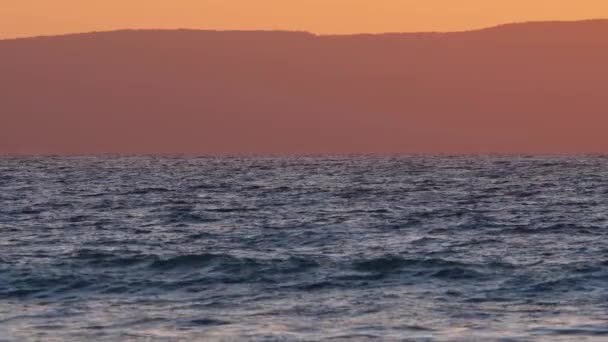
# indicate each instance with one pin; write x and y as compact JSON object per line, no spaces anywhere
{"x":19,"y":18}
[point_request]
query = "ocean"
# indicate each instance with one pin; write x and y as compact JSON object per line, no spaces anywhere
{"x":340,"y":248}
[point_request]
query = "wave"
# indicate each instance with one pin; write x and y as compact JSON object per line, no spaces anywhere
{"x":198,"y":261}
{"x":148,"y":190}
{"x":558,"y":228}
{"x":393,"y":262}
{"x":428,"y":267}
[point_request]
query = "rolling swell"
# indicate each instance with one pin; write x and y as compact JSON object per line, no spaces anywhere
{"x":308,"y":248}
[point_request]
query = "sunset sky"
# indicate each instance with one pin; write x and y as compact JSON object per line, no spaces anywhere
{"x":19,"y":18}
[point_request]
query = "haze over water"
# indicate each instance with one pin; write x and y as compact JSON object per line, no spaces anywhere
{"x":304,"y":248}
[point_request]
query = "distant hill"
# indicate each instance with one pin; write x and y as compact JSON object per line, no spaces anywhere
{"x":521,"y":88}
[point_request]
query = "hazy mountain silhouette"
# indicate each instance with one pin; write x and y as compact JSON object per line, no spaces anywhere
{"x":537,"y":87}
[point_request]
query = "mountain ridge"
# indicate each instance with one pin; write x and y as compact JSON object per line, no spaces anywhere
{"x":321,"y":35}
{"x":523,"y":88}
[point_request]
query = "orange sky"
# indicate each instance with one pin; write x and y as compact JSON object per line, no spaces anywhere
{"x":20,"y":18}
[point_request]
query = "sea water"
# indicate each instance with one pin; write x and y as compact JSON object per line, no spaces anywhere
{"x":420,"y":248}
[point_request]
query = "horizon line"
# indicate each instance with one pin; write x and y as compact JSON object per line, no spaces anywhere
{"x":315,"y":34}
{"x":303,"y":155}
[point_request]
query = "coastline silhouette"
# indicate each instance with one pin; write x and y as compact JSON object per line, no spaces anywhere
{"x":520,"y":88}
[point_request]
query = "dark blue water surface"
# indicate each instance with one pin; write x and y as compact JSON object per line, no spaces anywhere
{"x":304,"y":248}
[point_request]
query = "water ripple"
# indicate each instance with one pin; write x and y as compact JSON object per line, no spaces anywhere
{"x":505,"y":248}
